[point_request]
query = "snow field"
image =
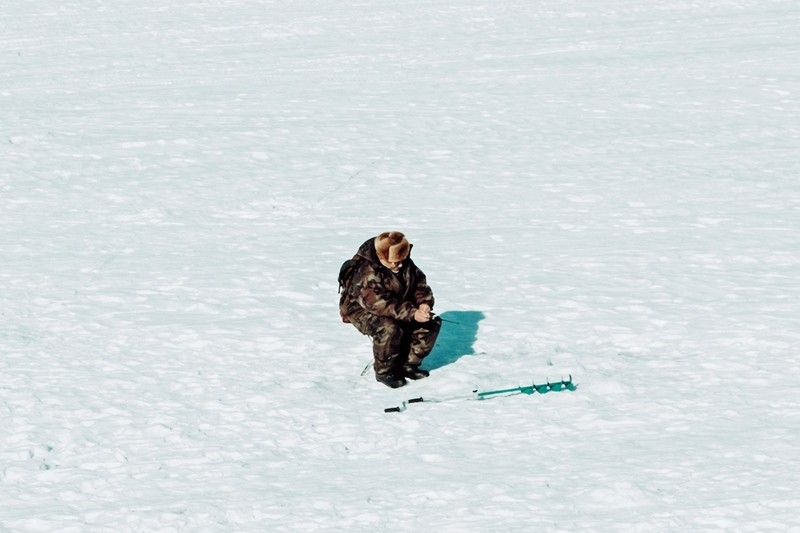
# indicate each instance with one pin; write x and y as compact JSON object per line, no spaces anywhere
{"x":608,"y":192}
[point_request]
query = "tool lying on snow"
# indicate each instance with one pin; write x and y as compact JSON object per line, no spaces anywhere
{"x":544,"y":388}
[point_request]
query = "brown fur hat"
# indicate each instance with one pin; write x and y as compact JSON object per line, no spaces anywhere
{"x":392,"y":247}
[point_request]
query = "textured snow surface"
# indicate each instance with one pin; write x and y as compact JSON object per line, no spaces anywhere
{"x":609,"y":191}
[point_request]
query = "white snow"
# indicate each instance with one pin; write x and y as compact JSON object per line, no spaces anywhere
{"x":608,"y":190}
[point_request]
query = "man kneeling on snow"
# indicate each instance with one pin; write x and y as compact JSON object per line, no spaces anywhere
{"x":388,"y":298}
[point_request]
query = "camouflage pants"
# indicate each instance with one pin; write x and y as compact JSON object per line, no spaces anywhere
{"x":395,"y":343}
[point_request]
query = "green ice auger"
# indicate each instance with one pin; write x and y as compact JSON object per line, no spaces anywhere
{"x":564,"y":384}
{"x":544,"y":388}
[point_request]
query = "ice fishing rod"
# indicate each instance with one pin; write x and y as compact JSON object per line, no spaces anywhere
{"x":434,"y":315}
{"x":543,"y":388}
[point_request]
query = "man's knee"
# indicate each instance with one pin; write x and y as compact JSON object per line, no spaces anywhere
{"x":435,"y":324}
{"x":423,"y":340}
{"x":385,"y":330}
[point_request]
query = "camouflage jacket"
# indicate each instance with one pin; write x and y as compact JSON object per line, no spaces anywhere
{"x":378,"y":291}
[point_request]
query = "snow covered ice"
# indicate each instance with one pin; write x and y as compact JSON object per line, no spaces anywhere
{"x":608,"y":190}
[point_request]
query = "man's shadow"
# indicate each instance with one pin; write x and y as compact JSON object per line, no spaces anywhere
{"x":459,"y":332}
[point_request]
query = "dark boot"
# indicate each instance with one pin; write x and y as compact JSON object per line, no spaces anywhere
{"x":414,"y":372}
{"x":390,"y":380}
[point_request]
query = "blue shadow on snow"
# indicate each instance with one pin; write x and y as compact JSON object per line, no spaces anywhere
{"x":459,"y":332}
